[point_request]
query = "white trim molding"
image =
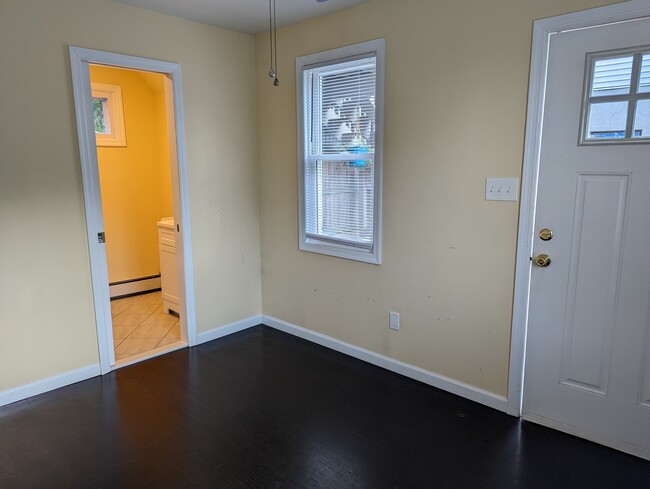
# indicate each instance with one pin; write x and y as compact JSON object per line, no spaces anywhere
{"x":80,"y":59}
{"x":228,"y":329}
{"x":542,"y":31}
{"x":48,"y":384}
{"x":111,"y":97}
{"x":430,"y":378}
{"x":440,"y":381}
{"x":321,"y":244}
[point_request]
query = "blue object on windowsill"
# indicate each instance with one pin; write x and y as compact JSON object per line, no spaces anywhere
{"x":357,"y":150}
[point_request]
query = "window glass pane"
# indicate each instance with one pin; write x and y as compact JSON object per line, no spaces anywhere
{"x":346,"y":100}
{"x":612,"y":76}
{"x":98,"y":115}
{"x":339,"y":190}
{"x":344,"y":202}
{"x":607,"y":120}
{"x":642,"y":119}
{"x":340,"y":113}
{"x":644,"y":80}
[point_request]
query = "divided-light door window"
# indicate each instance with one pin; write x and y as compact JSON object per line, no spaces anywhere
{"x":616,"y":106}
{"x":340,"y":112}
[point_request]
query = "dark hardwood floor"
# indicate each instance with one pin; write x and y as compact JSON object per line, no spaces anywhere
{"x":262,"y":409}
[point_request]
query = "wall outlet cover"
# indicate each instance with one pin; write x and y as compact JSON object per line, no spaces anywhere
{"x":393,"y":320}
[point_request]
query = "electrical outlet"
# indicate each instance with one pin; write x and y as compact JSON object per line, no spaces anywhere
{"x":501,"y":189}
{"x":393,"y":320}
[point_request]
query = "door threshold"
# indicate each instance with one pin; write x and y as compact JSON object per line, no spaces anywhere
{"x":156,"y":352}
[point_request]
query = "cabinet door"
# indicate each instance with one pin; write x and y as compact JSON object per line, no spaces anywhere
{"x":166,"y":237}
{"x":168,"y":273}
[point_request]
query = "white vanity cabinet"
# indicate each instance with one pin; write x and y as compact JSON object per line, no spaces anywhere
{"x":168,"y":272}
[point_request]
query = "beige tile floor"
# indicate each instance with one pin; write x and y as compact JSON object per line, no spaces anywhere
{"x":140,"y":325}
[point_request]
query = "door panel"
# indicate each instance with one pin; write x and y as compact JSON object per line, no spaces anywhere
{"x":587,"y":355}
{"x":594,"y":272}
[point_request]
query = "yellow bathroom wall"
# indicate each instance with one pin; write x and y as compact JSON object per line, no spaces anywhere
{"x":133,"y":178}
{"x":164,"y":169}
{"x":156,"y":82}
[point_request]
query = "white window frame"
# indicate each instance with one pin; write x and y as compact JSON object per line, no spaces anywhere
{"x":374,"y":48}
{"x":115,"y":114}
{"x":631,"y":98}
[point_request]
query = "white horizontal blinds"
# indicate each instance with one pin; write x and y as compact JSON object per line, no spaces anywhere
{"x":612,"y":76}
{"x":641,"y":125}
{"x":346,"y":98}
{"x":339,"y":169}
{"x":644,"y":78}
{"x":345,"y":204}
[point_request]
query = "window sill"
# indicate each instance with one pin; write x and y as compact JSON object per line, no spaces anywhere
{"x":339,"y":251}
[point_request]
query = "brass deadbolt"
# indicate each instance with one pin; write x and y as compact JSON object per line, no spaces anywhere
{"x":545,"y":234}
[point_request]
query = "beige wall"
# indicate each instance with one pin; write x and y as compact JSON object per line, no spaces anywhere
{"x":47,"y":324}
{"x":132,"y":176}
{"x":455,"y":106}
{"x":456,"y":86}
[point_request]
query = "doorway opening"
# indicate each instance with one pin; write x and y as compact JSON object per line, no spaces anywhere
{"x":131,"y":137}
{"x":133,"y":155}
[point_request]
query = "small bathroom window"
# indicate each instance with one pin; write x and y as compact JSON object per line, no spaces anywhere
{"x":616,"y":104}
{"x":108,"y":115}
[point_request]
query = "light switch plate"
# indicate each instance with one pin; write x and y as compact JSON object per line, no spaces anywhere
{"x":502,"y":189}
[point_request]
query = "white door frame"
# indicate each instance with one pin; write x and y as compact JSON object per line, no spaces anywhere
{"x":542,"y":31}
{"x":80,"y":58}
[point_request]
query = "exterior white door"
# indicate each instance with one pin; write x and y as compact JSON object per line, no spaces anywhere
{"x":588,"y":348}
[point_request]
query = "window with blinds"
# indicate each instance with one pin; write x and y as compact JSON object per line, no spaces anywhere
{"x":617,"y":97}
{"x":340,"y":151}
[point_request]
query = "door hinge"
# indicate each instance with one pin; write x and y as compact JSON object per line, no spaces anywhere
{"x":101,"y":237}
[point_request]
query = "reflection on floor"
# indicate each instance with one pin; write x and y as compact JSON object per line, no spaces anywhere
{"x":140,"y":325}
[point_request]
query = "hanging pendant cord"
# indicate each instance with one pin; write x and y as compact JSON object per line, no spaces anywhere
{"x":271,"y":37}
{"x":275,"y":45}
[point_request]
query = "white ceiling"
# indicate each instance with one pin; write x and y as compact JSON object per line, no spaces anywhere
{"x":249,"y":16}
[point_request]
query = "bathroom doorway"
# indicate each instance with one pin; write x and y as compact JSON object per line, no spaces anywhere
{"x":131,"y":138}
{"x":133,"y":156}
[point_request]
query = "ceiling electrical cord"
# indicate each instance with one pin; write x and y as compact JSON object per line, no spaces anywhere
{"x":273,"y":43}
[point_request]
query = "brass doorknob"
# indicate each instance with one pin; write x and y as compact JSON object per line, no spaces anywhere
{"x":542,"y":260}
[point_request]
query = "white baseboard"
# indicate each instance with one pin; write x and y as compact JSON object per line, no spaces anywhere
{"x":48,"y":384}
{"x":84,"y":373}
{"x":440,"y":381}
{"x":445,"y":383}
{"x":134,"y":287}
{"x":227,"y":329}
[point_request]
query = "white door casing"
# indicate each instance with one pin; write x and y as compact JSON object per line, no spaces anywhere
{"x":588,"y":317}
{"x":80,"y":58}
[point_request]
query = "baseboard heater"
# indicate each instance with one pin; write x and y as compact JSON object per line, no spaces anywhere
{"x":134,"y":286}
